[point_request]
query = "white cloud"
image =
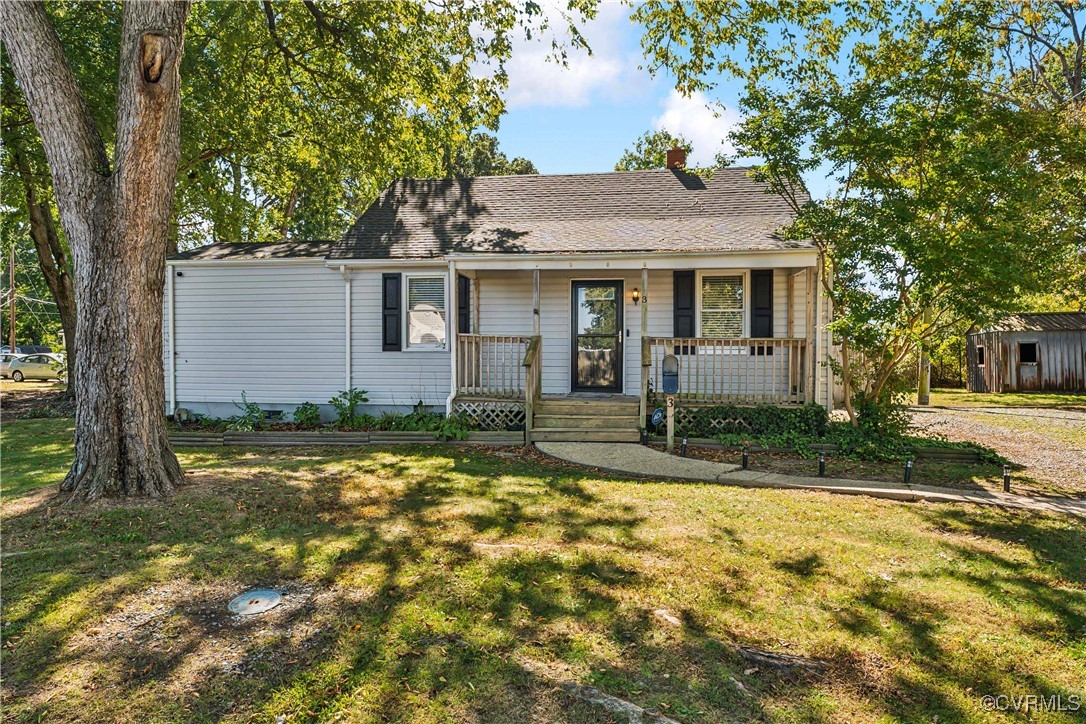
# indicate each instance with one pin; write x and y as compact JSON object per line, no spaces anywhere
{"x":698,"y":120}
{"x":610,"y":72}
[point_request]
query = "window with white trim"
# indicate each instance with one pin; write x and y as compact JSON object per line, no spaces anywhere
{"x":723,"y":306}
{"x":426,"y":311}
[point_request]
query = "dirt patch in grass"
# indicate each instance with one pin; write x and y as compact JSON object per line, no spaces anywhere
{"x":33,"y":398}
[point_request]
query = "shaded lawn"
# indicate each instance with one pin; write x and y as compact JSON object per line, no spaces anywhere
{"x":963,"y":398}
{"x":429,"y":583}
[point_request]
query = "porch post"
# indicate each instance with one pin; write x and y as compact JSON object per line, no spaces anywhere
{"x":646,"y":351}
{"x":475,"y":304}
{"x":790,"y":305}
{"x":808,"y":387}
{"x":535,"y":302}
{"x":453,"y":331}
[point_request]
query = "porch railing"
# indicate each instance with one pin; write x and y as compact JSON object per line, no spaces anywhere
{"x":770,"y":371}
{"x":491,"y":366}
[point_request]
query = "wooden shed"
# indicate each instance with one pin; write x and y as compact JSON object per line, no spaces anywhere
{"x":1025,"y":352}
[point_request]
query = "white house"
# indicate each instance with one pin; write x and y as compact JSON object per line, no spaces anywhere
{"x":499,"y":295}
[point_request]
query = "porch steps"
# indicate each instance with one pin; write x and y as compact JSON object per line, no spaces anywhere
{"x":573,"y":419}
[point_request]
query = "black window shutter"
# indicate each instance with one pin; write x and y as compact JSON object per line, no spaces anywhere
{"x":391,"y":320}
{"x":683,"y":307}
{"x":463,"y":304}
{"x":761,"y":307}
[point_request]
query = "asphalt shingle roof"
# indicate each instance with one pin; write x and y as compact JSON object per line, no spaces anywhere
{"x":641,"y":211}
{"x":230,"y":250}
{"x":645,"y":211}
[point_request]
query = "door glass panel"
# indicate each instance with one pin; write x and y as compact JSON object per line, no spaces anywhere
{"x":596,"y":310}
{"x":597,"y":359}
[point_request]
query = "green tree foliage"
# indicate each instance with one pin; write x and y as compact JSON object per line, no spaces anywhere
{"x":295,"y":115}
{"x":480,"y":156}
{"x":958,"y":181}
{"x":650,"y":151}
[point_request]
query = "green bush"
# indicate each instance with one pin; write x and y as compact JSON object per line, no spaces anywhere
{"x":455,"y":427}
{"x":307,"y":414}
{"x":250,"y":418}
{"x":881,"y":433}
{"x":345,"y":403}
{"x":418,"y":420}
{"x":810,"y":420}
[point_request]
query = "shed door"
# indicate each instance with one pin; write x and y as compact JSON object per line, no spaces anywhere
{"x":1028,"y":355}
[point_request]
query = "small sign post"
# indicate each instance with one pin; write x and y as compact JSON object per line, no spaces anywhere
{"x":670,"y":423}
{"x":671,"y":387}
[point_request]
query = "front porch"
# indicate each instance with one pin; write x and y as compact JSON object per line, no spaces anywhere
{"x":499,"y":378}
{"x":595,"y":333}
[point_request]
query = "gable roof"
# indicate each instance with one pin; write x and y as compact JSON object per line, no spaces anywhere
{"x":643,"y":211}
{"x":1040,"y":322}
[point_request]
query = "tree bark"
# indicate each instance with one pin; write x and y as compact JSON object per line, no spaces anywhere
{"x":53,"y":261}
{"x":117,"y":224}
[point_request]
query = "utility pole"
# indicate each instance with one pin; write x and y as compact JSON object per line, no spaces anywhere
{"x":11,"y":300}
{"x":923,"y":394}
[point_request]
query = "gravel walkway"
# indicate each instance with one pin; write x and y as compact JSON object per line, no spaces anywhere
{"x":1049,"y":444}
{"x":645,"y":462}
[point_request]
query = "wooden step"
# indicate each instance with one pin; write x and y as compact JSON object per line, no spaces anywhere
{"x":586,"y":408}
{"x":566,"y":434}
{"x":611,"y":422}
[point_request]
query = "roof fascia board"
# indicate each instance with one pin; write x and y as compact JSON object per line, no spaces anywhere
{"x":295,"y":261}
{"x":628,"y":260}
{"x":441,"y":262}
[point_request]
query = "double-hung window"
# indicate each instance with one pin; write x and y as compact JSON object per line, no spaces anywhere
{"x":722,"y":306}
{"x":426,"y":311}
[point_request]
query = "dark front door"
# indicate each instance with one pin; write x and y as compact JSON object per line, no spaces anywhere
{"x":597,"y":336}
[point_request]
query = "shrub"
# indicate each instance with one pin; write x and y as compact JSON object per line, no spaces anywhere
{"x":810,"y":420}
{"x":307,"y":414}
{"x":250,"y":418}
{"x":418,"y":420}
{"x":455,"y":427}
{"x":345,"y":403}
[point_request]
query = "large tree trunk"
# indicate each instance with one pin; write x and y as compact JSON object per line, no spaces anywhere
{"x":117,"y":224}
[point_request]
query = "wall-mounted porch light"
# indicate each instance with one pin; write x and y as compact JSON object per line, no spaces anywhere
{"x":636,"y":295}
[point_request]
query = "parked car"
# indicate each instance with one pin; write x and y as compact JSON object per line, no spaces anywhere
{"x":37,"y":367}
{"x":5,"y":361}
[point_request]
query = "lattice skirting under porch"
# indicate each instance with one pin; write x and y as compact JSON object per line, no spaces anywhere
{"x":684,"y":418}
{"x":492,"y":414}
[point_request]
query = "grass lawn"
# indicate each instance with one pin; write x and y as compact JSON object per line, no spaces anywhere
{"x":433,"y":583}
{"x":962,"y":398}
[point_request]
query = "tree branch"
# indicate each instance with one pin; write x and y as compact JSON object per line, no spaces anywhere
{"x":72,"y":143}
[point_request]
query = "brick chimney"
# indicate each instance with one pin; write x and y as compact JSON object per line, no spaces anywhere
{"x":676,"y":157}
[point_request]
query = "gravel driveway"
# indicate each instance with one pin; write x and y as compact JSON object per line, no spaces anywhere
{"x":1050,"y":444}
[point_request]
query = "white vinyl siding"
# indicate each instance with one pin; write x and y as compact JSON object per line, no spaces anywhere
{"x":391,"y":379}
{"x":277,"y":331}
{"x":274,"y":332}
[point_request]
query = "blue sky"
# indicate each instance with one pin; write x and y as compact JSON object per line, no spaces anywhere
{"x":582,"y":117}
